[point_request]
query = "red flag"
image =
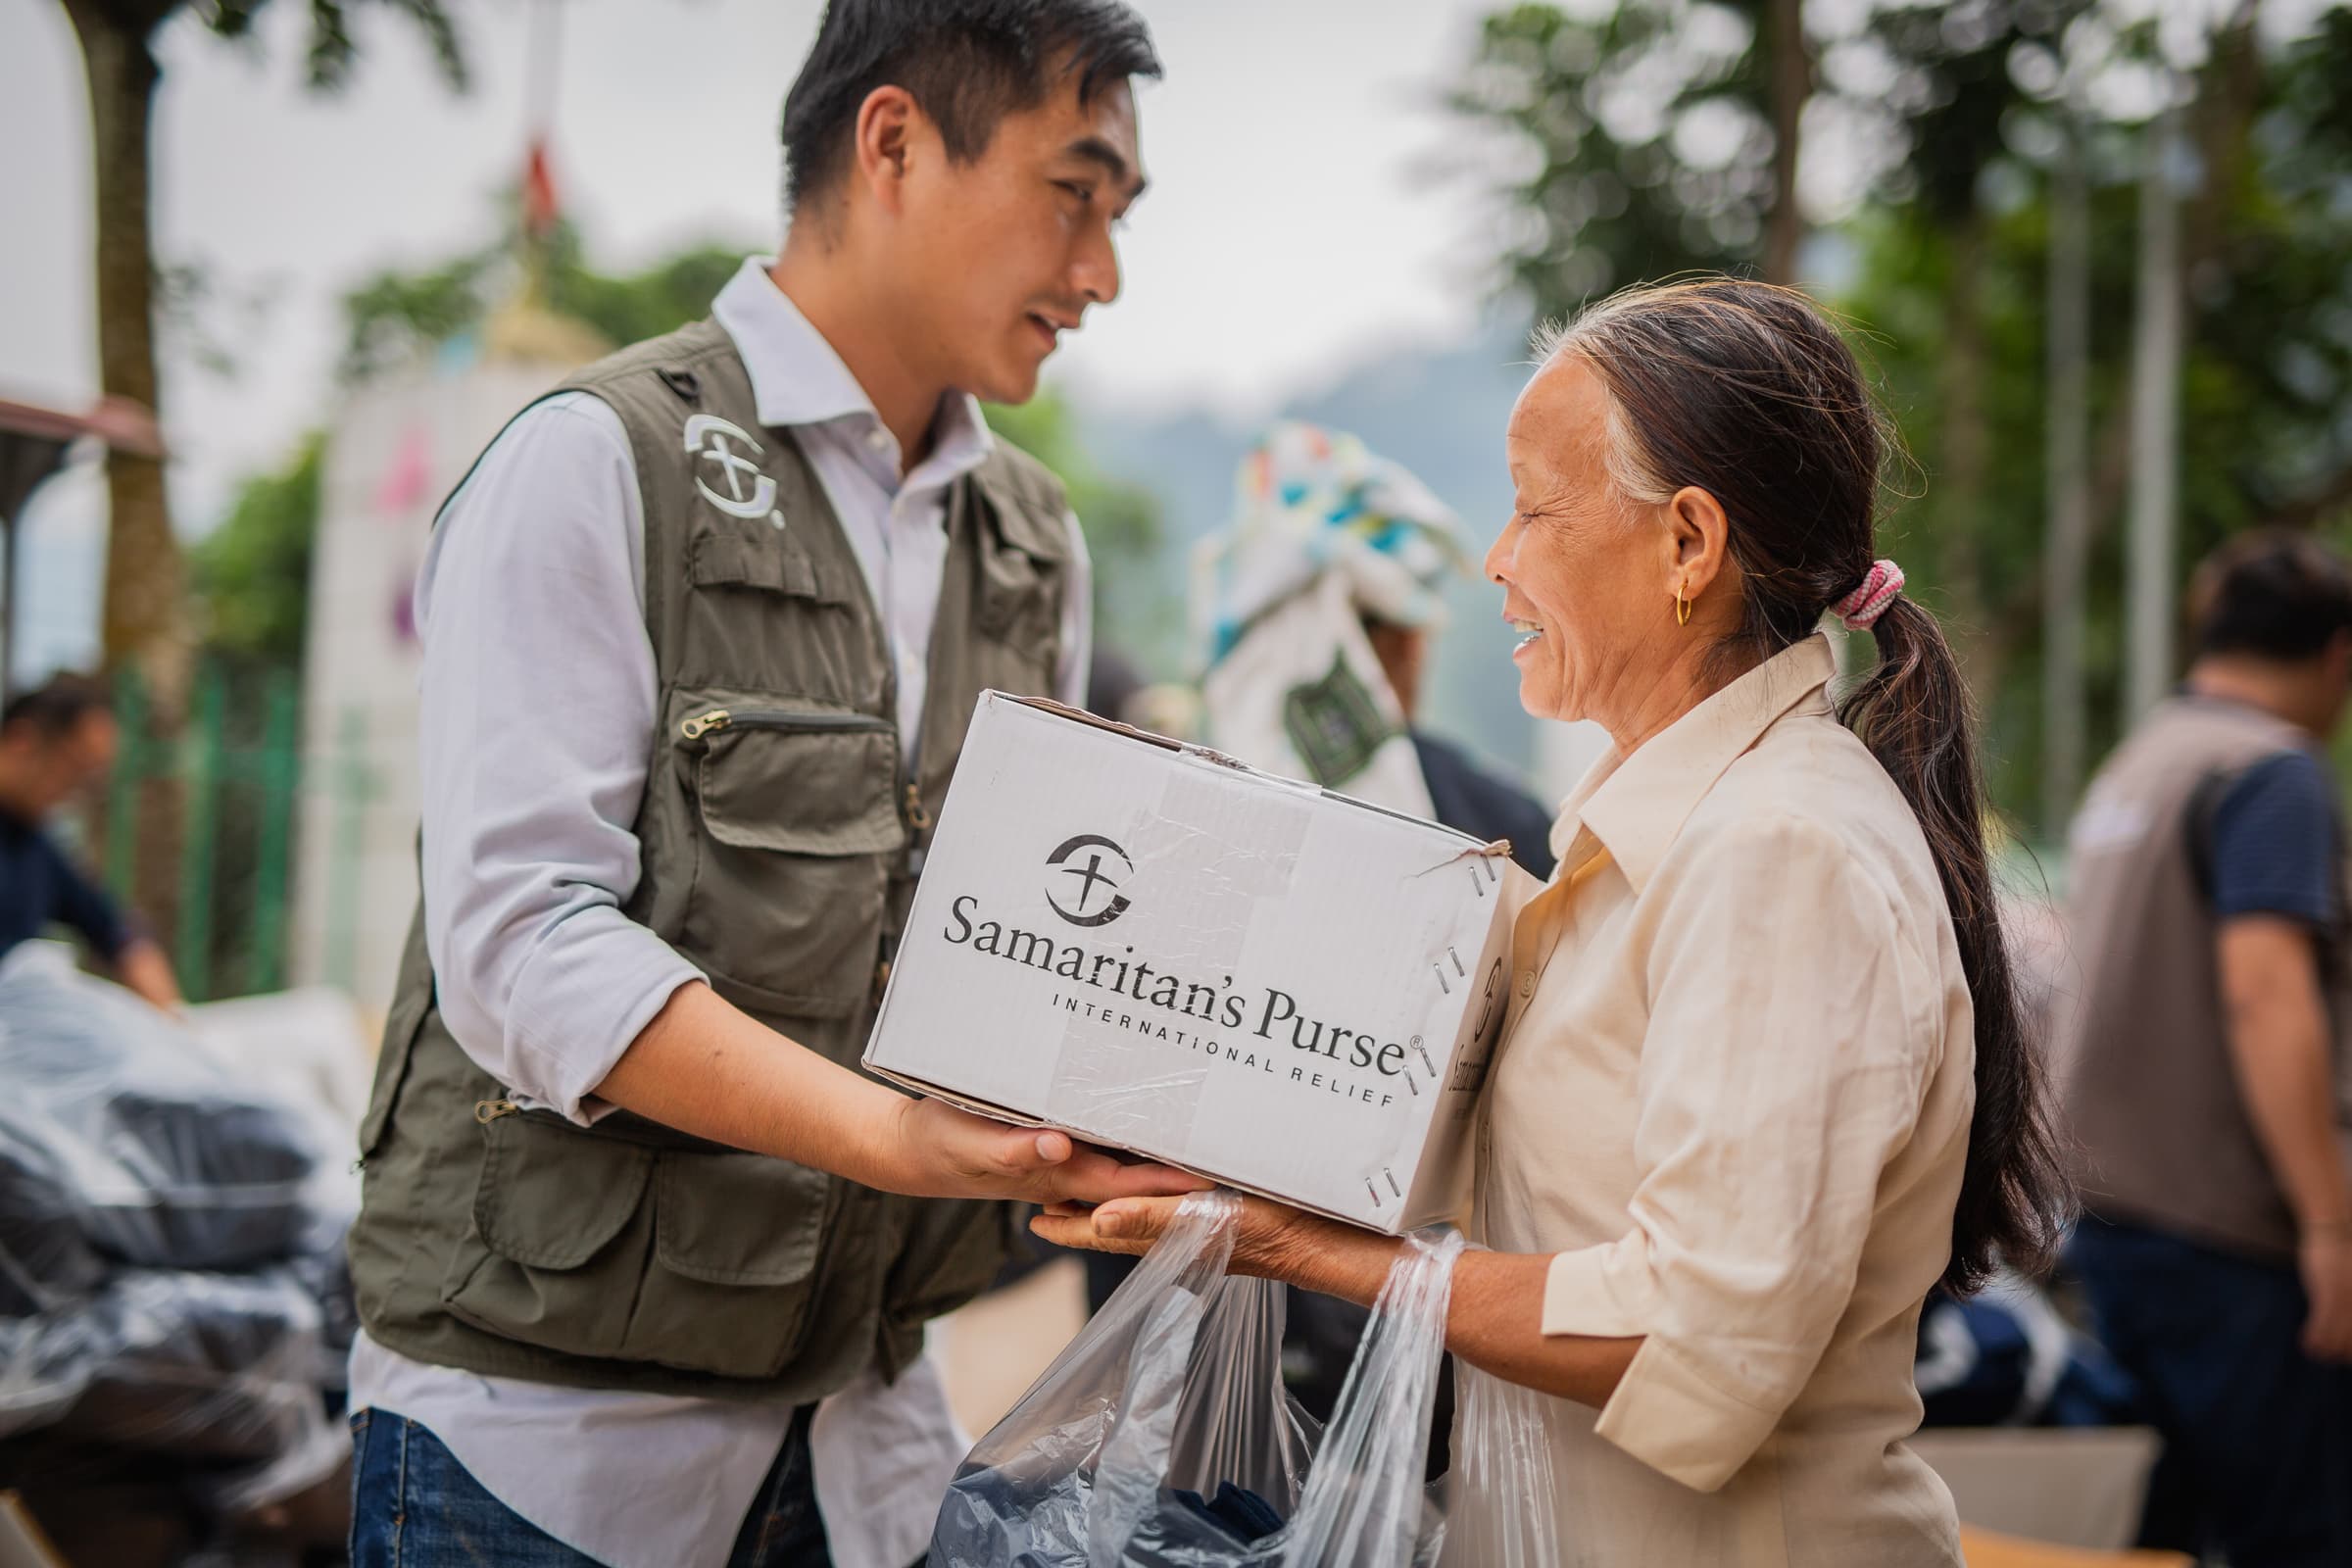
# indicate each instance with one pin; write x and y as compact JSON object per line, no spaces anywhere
{"x":539,"y":208}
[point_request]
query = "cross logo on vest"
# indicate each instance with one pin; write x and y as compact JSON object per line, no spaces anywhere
{"x":716,"y":443}
{"x":1096,"y":900}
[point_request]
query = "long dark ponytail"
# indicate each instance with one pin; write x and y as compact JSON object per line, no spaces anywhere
{"x":1746,"y":391}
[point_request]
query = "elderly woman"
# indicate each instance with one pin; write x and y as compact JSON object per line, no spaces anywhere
{"x":1765,"y":1081}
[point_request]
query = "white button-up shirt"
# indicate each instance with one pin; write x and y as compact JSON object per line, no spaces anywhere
{"x":538,"y":692}
{"x":1734,"y":1099}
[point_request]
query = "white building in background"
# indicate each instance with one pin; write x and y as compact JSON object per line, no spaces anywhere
{"x":403,"y":441}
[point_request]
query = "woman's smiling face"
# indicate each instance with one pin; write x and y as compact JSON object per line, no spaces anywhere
{"x":1586,"y":576}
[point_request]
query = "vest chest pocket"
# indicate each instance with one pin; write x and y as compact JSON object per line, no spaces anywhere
{"x":799,"y":808}
{"x":777,"y":562}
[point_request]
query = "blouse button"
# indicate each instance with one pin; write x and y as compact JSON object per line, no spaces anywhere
{"x":1527,"y":984}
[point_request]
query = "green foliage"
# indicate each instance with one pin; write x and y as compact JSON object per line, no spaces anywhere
{"x":251,"y":573}
{"x":1122,"y":522}
{"x":332,"y":52}
{"x":1134,"y":607}
{"x":659,"y":299}
{"x":2267,"y":367}
{"x":1953,"y":113}
{"x":1602,"y":116}
{"x":394,"y":317}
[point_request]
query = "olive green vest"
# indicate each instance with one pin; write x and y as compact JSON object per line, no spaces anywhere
{"x":781,"y":830}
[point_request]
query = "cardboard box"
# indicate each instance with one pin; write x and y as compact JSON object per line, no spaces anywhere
{"x":1153,"y":948}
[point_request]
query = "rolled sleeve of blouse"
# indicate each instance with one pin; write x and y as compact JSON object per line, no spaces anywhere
{"x":1781,"y":1068}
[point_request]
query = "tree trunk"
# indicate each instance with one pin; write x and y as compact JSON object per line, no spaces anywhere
{"x":1791,"y":75}
{"x":144,"y":620}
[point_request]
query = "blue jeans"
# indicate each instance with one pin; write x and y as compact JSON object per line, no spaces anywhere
{"x":413,"y":1505}
{"x":2257,"y":1437}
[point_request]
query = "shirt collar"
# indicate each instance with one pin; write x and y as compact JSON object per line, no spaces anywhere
{"x":797,"y":380}
{"x":1635,"y":806}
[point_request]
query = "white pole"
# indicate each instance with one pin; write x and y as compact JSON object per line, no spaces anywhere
{"x":2155,"y":424}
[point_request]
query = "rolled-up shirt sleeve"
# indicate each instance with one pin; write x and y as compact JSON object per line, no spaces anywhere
{"x":1790,"y":1035}
{"x":538,"y":695}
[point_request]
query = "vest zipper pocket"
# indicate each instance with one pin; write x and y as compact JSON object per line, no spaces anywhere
{"x":718,"y":718}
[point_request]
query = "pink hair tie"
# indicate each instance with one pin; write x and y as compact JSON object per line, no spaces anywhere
{"x":1881,"y":586}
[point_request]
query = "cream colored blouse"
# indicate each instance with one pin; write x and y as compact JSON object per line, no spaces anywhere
{"x":1734,"y":1097}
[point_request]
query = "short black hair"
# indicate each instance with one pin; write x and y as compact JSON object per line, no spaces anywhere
{"x":2273,"y":593}
{"x":969,"y":63}
{"x":57,"y":706}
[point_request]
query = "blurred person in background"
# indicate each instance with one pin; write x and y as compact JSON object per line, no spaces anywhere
{"x":1319,"y":605}
{"x":2204,"y":1064}
{"x":642,"y":1259}
{"x":56,"y":743}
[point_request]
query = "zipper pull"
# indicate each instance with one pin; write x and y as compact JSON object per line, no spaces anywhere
{"x":701,"y":724}
{"x":487,"y":1111}
{"x":916,"y":817}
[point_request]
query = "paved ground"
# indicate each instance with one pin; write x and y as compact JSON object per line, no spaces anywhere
{"x":993,"y":1349}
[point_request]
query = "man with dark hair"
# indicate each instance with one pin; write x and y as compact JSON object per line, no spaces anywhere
{"x":2204,"y":1064}
{"x":644,"y":1260}
{"x":56,"y":742}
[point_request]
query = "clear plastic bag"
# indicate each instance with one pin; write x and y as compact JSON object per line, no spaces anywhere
{"x":1175,"y":1386}
{"x":1501,"y":1507}
{"x":123,"y":1142}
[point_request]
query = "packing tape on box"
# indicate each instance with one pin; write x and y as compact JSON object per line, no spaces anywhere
{"x":1107,"y":1062}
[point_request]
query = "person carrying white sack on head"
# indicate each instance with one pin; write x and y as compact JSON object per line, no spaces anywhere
{"x":1316,"y":611}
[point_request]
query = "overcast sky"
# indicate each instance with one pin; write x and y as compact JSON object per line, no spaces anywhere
{"x":1285,"y":234}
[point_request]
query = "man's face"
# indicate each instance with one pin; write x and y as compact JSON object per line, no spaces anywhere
{"x":80,"y":758}
{"x":999,"y":257}
{"x":44,"y":772}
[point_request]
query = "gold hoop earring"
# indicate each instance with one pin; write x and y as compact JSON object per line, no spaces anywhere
{"x":1682,"y":608}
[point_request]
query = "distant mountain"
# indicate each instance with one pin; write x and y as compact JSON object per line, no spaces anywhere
{"x":1440,"y":412}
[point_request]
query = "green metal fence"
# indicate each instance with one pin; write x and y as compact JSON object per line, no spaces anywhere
{"x":237,"y":765}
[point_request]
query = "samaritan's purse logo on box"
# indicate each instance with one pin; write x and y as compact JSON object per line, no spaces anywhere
{"x":1096,"y":900}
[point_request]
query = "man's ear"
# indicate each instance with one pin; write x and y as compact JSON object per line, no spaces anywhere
{"x":883,"y":150}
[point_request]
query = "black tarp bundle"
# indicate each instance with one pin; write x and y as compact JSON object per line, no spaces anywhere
{"x":170,"y":1280}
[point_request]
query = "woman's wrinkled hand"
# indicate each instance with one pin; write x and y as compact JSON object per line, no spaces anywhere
{"x":1273,"y":1241}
